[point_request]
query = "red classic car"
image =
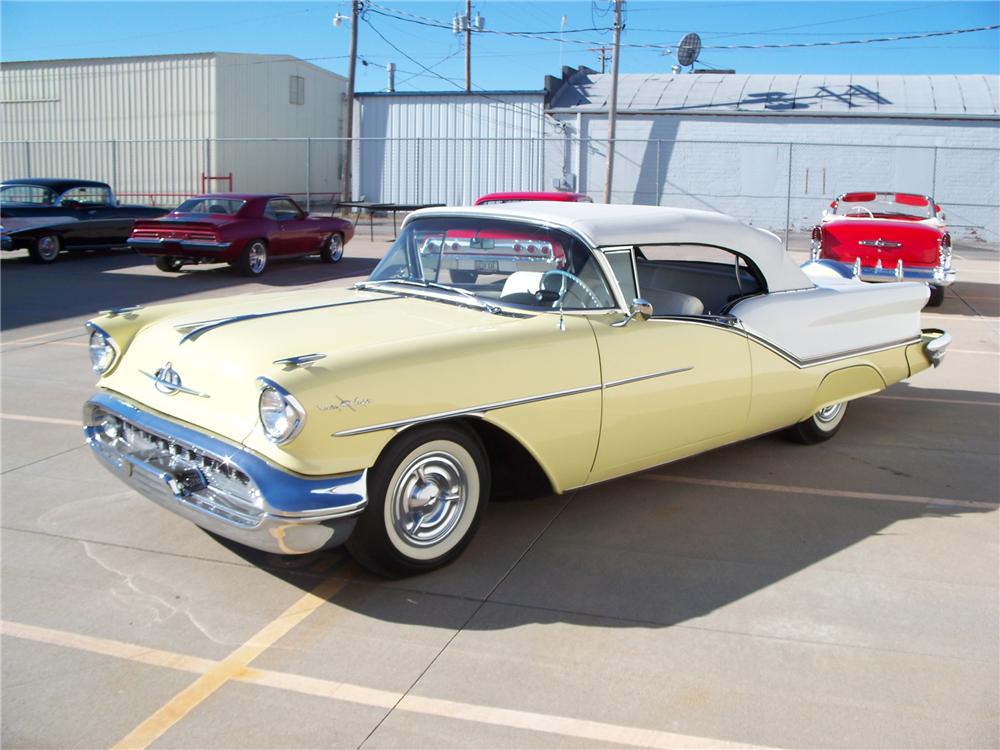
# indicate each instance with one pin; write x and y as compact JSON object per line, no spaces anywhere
{"x":241,"y":229}
{"x":516,"y":197}
{"x":885,"y":237}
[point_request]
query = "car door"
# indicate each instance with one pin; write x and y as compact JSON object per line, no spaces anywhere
{"x":673,"y":384}
{"x":98,"y":223}
{"x":292,"y":235}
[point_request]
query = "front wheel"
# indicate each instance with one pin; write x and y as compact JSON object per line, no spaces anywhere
{"x":821,"y":426}
{"x":168,"y":263}
{"x":253,"y":260}
{"x":426,"y":496}
{"x":46,"y":249}
{"x":937,"y":296}
{"x":333,"y":249}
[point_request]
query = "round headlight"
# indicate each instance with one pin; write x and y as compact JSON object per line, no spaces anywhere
{"x":281,"y":415}
{"x":102,"y":353}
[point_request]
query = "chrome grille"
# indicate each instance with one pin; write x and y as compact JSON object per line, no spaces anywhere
{"x":165,"y":469}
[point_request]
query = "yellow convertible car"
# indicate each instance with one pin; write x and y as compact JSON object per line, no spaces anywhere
{"x":571,"y":342}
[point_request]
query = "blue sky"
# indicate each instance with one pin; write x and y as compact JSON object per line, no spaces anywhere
{"x":74,"y":28}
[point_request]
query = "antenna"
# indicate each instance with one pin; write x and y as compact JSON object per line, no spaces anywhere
{"x":688,"y":49}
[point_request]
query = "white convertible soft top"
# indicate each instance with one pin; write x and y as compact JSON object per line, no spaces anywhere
{"x":609,"y":225}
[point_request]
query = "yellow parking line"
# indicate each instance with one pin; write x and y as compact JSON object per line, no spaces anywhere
{"x":222,"y":672}
{"x":83,"y":344}
{"x":822,"y":491}
{"x":41,"y":420}
{"x":76,"y":329}
{"x":106,"y":647}
{"x":590,"y":731}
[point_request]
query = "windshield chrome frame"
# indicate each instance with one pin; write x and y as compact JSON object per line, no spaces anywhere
{"x":596,"y":252}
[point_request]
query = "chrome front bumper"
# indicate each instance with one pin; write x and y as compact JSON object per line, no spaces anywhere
{"x":219,"y":485}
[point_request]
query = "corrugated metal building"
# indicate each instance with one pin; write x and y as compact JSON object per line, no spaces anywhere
{"x":446,"y":147}
{"x":155,"y":124}
{"x":775,"y":148}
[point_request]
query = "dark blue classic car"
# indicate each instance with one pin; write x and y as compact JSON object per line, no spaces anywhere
{"x":46,"y":216}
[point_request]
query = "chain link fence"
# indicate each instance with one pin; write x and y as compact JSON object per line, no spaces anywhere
{"x":779,"y":186}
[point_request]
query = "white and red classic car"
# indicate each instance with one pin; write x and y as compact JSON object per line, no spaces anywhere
{"x":880,"y":236}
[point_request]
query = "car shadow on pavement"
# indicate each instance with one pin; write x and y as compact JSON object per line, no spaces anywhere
{"x":685,"y":541}
{"x":80,"y":284}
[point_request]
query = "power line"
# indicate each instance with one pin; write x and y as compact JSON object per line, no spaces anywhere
{"x":841,"y":42}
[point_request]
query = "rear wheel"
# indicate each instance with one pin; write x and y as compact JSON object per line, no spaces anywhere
{"x":253,"y":259}
{"x":426,"y":496}
{"x":937,"y":296}
{"x":821,"y":426}
{"x":46,"y":249}
{"x":168,"y":263}
{"x":333,"y":250}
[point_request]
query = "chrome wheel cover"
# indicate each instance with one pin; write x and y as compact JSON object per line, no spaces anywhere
{"x":257,"y":257}
{"x":829,"y":414}
{"x":48,"y":247}
{"x":336,"y":246}
{"x":428,"y":498}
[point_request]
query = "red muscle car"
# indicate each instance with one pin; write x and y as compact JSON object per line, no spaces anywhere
{"x":516,"y":197}
{"x":241,"y":229}
{"x":881,"y":236}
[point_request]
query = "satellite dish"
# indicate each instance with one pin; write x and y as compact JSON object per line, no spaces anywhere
{"x":688,"y":49}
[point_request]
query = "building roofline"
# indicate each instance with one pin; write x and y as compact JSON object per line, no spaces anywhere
{"x":15,"y":64}
{"x":603,"y":111}
{"x":480,"y":94}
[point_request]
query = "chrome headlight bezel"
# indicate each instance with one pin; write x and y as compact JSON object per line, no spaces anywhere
{"x":102,"y":349}
{"x":281,"y":415}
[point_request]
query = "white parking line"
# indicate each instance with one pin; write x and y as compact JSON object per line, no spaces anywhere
{"x":589,"y":731}
{"x":939,"y":400}
{"x":972,"y":351}
{"x":822,"y":491}
{"x":41,"y":420}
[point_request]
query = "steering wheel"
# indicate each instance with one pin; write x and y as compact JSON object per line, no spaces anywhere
{"x":858,"y":209}
{"x":566,"y":276}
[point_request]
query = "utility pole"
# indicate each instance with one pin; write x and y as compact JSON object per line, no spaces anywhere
{"x":468,"y":46}
{"x":602,"y":54}
{"x":613,"y":103}
{"x":345,"y":191}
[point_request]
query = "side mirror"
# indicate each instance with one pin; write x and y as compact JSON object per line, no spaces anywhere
{"x":640,"y":308}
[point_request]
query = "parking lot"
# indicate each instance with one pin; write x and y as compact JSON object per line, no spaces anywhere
{"x":765,"y":594}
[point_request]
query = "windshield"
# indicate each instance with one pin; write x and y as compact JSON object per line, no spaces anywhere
{"x":502,"y":261}
{"x":884,"y":205}
{"x":222,"y":206}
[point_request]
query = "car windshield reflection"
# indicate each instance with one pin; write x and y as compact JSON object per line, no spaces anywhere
{"x":504,"y":262}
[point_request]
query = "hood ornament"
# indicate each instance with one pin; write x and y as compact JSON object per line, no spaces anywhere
{"x":168,"y":381}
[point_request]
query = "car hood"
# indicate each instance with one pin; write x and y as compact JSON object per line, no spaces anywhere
{"x":220,"y":349}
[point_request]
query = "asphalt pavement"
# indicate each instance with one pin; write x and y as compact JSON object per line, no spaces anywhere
{"x":765,"y":594}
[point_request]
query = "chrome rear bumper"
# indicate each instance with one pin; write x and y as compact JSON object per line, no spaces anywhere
{"x":937,"y":347}
{"x":221,"y":486}
{"x":935,"y":276}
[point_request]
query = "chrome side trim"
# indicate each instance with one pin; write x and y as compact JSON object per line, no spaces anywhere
{"x":196,"y":328}
{"x":735,"y":325}
{"x":170,"y":386}
{"x":484,"y":408}
{"x":481,"y":409}
{"x":640,"y":378}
